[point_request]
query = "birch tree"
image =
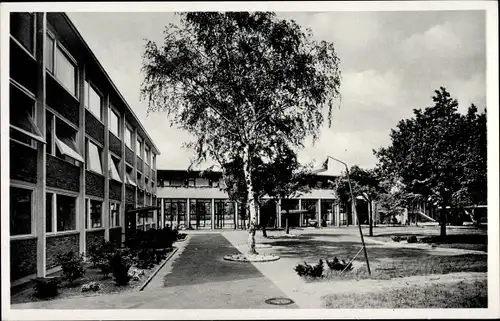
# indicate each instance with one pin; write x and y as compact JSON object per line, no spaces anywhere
{"x":241,"y":82}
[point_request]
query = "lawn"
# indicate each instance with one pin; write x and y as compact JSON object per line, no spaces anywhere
{"x":460,"y":295}
{"x":385,"y":262}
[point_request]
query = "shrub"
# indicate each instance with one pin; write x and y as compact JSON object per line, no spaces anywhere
{"x":305,"y":269}
{"x":146,"y":259}
{"x":399,"y":238}
{"x":91,"y":286}
{"x":412,"y":239}
{"x":46,"y":287}
{"x":72,"y":266}
{"x":338,"y":265}
{"x":100,"y":254}
{"x":120,"y":267}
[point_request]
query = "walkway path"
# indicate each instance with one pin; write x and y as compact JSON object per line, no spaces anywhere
{"x":197,"y":277}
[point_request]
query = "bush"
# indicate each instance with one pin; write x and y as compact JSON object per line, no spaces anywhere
{"x":46,"y":287}
{"x":72,"y":266}
{"x":119,"y":267}
{"x":399,"y":238}
{"x":338,"y":265}
{"x":305,"y":269}
{"x":99,"y":254}
{"x":412,"y":239}
{"x":91,"y":286}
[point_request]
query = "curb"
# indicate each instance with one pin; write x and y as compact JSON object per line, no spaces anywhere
{"x":158,"y":269}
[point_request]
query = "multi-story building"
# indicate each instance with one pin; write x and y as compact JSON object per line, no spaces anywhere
{"x":190,"y":199}
{"x":79,"y":156}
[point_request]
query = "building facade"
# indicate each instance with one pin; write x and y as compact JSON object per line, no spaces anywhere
{"x":188,"y":199}
{"x":79,"y":156}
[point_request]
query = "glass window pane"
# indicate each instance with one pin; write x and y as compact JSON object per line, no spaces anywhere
{"x":22,"y":27}
{"x":138,"y":147}
{"x":94,"y":158}
{"x":95,"y":210}
{"x":114,"y":123}
{"x":113,"y":169}
{"x":49,"y":53}
{"x":20,"y":211}
{"x":128,"y":137}
{"x":48,"y":212}
{"x":66,"y":213}
{"x":65,"y":71}
{"x":95,"y":102}
{"x":114,"y":214}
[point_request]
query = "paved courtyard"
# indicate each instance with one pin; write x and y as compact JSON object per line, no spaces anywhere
{"x":197,"y":277}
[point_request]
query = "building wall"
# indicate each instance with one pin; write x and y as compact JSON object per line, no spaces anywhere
{"x":60,"y":114}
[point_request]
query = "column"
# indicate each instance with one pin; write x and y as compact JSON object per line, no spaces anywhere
{"x":105,"y":168}
{"x":212,"y":208}
{"x":41,"y":30}
{"x":278,"y":213}
{"x":337,"y":214}
{"x":318,"y":216}
{"x":301,"y":216}
{"x":80,"y":140}
{"x":187,"y":217}
{"x":353,"y":210}
{"x":162,"y":212}
{"x":236,"y":216}
{"x":122,"y":174}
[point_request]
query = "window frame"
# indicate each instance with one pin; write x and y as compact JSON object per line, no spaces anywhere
{"x":138,"y":146}
{"x":37,"y":136}
{"x":86,"y":88}
{"x":32,"y":188}
{"x":71,"y":60}
{"x":130,"y":130}
{"x":111,"y":165}
{"x":55,"y":192}
{"x":57,"y":143}
{"x":111,"y":222}
{"x":113,"y":110}
{"x":89,"y":141}
{"x":33,"y":34}
{"x":88,"y":216}
{"x":147,"y":155}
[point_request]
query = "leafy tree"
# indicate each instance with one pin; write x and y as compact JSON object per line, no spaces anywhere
{"x":364,"y":183}
{"x":241,"y":83}
{"x":432,"y":154}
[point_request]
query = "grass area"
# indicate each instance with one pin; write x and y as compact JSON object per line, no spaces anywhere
{"x":459,"y":295}
{"x":26,"y":292}
{"x":476,"y":241}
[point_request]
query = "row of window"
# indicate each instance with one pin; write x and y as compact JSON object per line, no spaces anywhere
{"x":60,"y":212}
{"x":188,"y":182}
{"x":65,"y":69}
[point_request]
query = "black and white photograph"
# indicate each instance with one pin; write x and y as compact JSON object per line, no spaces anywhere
{"x":249,"y":160}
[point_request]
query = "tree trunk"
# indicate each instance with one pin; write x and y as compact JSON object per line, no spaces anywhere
{"x":371,"y":219}
{"x":247,"y":169}
{"x":442,"y":216}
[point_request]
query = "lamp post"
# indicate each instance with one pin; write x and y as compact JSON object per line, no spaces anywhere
{"x":325,"y":167}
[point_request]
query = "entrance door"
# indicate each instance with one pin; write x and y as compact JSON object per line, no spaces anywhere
{"x":220,"y":211}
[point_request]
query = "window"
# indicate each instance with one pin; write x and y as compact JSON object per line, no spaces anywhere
{"x":93,"y":100}
{"x":22,"y":121}
{"x":190,"y":182}
{"x":65,"y":71}
{"x":113,"y":169}
{"x":49,"y":212}
{"x":93,"y":214}
{"x":148,"y":156}
{"x":93,"y":158}
{"x":21,"y":208}
{"x":66,"y":142}
{"x":49,"y":53}
{"x":129,"y":177}
{"x":114,"y":122}
{"x":66,"y":213}
{"x":140,"y":183}
{"x":114,"y":214}
{"x":22,"y":28}
{"x":138,"y":146}
{"x":128,"y":137}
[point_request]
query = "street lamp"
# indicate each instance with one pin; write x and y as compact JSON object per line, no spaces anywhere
{"x":324,"y":168}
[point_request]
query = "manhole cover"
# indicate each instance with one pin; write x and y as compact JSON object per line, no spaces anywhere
{"x":279,"y":301}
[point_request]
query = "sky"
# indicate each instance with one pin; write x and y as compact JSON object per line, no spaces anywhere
{"x":391,"y":63}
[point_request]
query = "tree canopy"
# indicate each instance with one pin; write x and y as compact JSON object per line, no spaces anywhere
{"x":440,"y":154}
{"x":241,"y":83}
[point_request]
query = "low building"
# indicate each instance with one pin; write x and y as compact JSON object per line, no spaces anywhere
{"x":79,"y":156}
{"x":188,"y":199}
